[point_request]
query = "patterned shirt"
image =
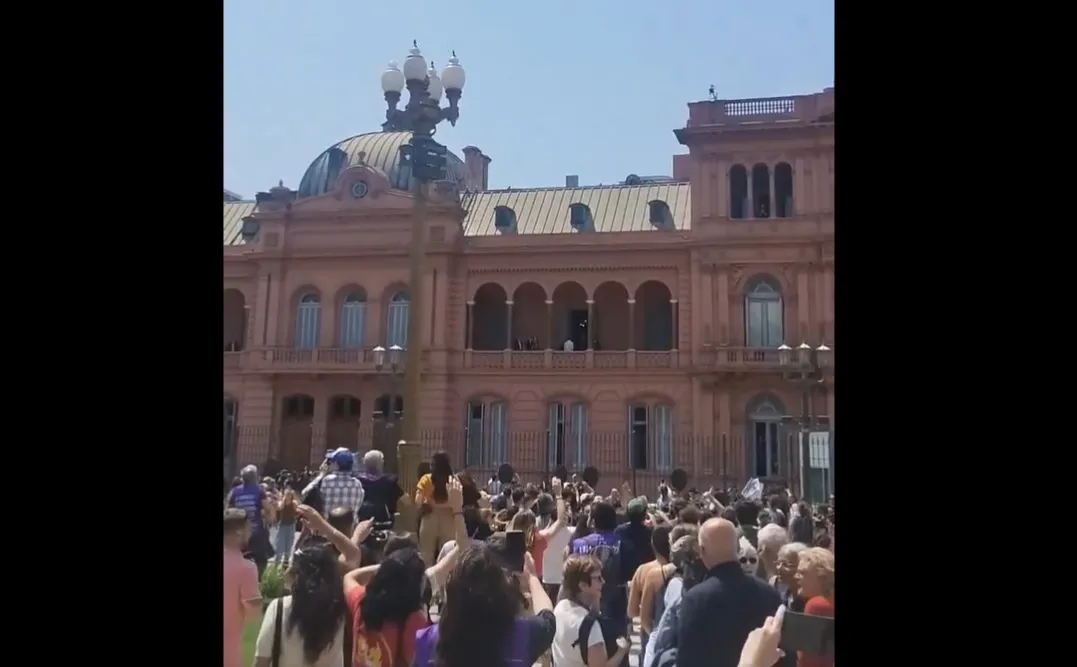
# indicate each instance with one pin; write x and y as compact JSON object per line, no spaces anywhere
{"x":339,"y":489}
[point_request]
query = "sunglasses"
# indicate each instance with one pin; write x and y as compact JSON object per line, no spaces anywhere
{"x":744,"y":560}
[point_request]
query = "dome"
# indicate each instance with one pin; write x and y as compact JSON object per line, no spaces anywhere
{"x":379,"y":149}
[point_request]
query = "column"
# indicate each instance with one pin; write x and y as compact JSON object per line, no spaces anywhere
{"x":722,"y":312}
{"x":469,"y":326}
{"x":750,"y":213}
{"x":676,"y":316}
{"x":376,"y":316}
{"x":549,"y":326}
{"x":773,"y":208}
{"x":508,"y":324}
{"x":588,"y":344}
{"x":248,"y":327}
{"x":828,"y":302}
{"x":327,"y":329}
{"x":804,"y":310}
{"x":631,"y":324}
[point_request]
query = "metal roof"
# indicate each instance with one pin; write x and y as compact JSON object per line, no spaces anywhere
{"x":234,"y":212}
{"x":614,"y":208}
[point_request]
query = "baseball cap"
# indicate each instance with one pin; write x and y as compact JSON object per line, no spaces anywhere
{"x":339,"y":455}
{"x":637,"y":507}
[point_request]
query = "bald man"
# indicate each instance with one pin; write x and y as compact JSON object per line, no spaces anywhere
{"x":717,"y":614}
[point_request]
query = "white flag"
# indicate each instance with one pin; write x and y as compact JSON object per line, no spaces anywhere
{"x":753,"y":490}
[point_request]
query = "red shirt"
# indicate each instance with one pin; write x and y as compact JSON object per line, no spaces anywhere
{"x":817,"y":606}
{"x":377,"y":648}
{"x":538,"y":548}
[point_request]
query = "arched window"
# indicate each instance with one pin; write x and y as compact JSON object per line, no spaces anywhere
{"x":764,"y":434}
{"x":650,"y":436}
{"x":485,"y":437}
{"x":352,"y":320}
{"x":396,"y":321}
{"x":566,"y":436}
{"x":763,"y":319}
{"x":738,"y":192}
{"x":761,"y":204}
{"x":307,"y":322}
{"x":783,"y":190}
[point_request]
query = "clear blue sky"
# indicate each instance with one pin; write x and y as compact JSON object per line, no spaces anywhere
{"x":590,"y":87}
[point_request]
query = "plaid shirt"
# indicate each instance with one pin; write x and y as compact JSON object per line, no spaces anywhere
{"x":339,"y":489}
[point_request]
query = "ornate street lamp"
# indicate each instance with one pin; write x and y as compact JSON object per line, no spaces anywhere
{"x":427,"y":161}
{"x":805,"y":370}
{"x":422,"y":113}
{"x":395,"y":356}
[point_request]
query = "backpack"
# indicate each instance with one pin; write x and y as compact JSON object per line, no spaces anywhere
{"x":610,"y":634}
{"x":610,"y":558}
{"x":426,"y":641}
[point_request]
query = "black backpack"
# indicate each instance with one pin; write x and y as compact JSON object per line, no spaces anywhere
{"x":610,"y":557}
{"x":610,"y":633}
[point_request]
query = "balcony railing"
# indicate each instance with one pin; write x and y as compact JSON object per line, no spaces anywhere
{"x":350,"y":360}
{"x":232,"y":360}
{"x":741,"y":358}
{"x":558,"y":360}
{"x":321,"y":359}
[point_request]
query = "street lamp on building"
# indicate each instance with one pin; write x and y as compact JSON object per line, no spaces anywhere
{"x":805,"y":368}
{"x":395,"y":355}
{"x":426,"y":161}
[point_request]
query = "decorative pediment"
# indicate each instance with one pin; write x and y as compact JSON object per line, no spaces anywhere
{"x":359,"y":187}
{"x":361,"y":183}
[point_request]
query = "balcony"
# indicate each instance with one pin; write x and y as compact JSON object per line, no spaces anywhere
{"x":736,"y":358}
{"x":557,"y":360}
{"x":232,"y":360}
{"x":317,"y":360}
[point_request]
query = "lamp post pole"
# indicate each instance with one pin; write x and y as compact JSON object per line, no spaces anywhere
{"x":805,"y":371}
{"x":395,"y":354}
{"x":426,"y":161}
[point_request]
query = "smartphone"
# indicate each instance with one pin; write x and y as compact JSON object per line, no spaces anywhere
{"x":515,"y":546}
{"x":810,"y":634}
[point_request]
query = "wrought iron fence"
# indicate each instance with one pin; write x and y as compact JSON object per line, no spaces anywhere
{"x":644,"y":460}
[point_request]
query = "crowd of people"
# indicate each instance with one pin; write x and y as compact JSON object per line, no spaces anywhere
{"x":519,"y":574}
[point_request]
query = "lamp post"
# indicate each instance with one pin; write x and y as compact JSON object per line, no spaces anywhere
{"x":805,"y":368}
{"x":426,"y":160}
{"x":395,"y":355}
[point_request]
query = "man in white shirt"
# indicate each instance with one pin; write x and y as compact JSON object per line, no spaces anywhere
{"x":553,"y":559}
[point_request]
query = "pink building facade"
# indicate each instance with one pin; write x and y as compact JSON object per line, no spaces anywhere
{"x":631,"y":327}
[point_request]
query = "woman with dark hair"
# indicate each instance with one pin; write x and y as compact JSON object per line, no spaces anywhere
{"x":481,"y":623}
{"x":432,"y":497}
{"x":312,"y":634}
{"x":387,"y":612}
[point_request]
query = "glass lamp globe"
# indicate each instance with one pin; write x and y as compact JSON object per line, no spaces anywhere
{"x":434,"y":86}
{"x":414,"y":65}
{"x":392,"y":79}
{"x":396,"y":355}
{"x":453,"y":77}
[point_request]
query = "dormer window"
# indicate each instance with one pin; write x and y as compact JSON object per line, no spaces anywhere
{"x":580,"y":217}
{"x":249,"y":230}
{"x":660,"y":215}
{"x":504,"y":220}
